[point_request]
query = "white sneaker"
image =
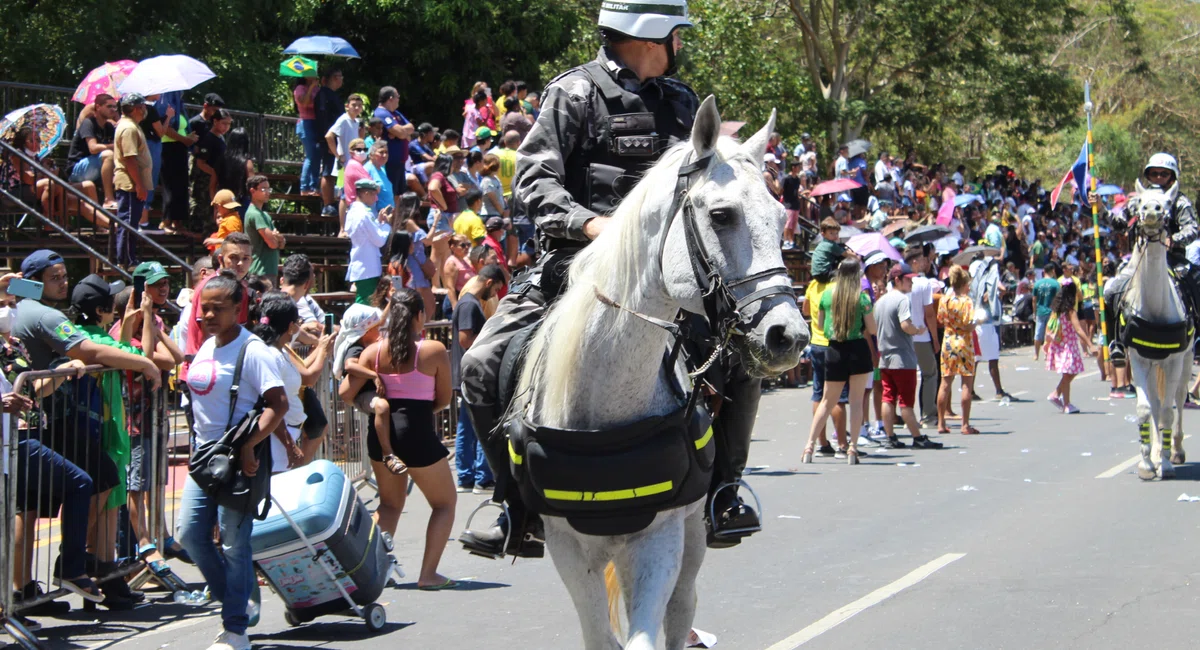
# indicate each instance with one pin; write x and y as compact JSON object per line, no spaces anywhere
{"x":227,"y":640}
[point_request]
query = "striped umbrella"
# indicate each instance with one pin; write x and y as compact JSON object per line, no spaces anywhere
{"x":103,"y":81}
{"x":47,"y":121}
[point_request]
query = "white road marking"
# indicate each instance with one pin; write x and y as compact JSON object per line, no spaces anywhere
{"x":1120,"y":469}
{"x":874,"y":598}
{"x":1088,"y":374}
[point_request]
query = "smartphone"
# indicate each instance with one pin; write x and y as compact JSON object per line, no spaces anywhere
{"x":329,"y":323}
{"x":25,"y":288}
{"x":139,"y":286}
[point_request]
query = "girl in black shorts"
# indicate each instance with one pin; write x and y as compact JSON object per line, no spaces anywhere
{"x":844,"y":314}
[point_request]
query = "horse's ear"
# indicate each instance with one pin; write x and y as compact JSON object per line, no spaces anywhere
{"x":707,"y":127}
{"x":756,"y":146}
{"x":1141,"y":189}
{"x":1172,"y":192}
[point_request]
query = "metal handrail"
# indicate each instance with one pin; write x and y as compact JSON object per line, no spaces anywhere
{"x":112,"y":218}
{"x":260,"y":138}
{"x":75,"y":240}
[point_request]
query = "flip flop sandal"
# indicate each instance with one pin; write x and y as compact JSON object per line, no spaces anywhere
{"x":970,"y":431}
{"x":83,"y":587}
{"x":395,"y":465}
{"x":160,"y":569}
{"x":943,"y":431}
{"x":448,"y":584}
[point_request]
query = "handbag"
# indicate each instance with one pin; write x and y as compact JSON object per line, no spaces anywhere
{"x":215,"y":466}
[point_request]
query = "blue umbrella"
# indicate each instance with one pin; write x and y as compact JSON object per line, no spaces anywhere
{"x":1109,"y":190}
{"x":323,"y":45}
{"x":967,"y":199}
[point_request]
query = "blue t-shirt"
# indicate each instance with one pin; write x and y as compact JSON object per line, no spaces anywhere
{"x":416,"y":259}
{"x":387,"y":195}
{"x":416,"y":150}
{"x":397,"y":147}
{"x":858,"y":165}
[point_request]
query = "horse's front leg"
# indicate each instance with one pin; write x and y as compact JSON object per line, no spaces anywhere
{"x":1178,"y":456}
{"x":1172,"y":386}
{"x":681,"y":609}
{"x":650,"y":562}
{"x":1140,"y":375}
{"x":582,"y":571}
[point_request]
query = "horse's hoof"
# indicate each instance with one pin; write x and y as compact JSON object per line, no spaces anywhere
{"x":1147,"y":473}
{"x":1178,"y":458}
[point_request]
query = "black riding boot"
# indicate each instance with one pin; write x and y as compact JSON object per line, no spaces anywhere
{"x":527,"y":538}
{"x":728,"y":518}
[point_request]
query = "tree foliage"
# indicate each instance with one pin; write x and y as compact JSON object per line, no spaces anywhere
{"x":431,"y":50}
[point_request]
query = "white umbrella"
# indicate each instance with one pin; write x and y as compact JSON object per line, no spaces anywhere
{"x":164,"y":74}
{"x":947,"y":244}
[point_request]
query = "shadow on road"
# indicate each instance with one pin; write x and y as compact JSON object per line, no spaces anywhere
{"x":345,"y":631}
{"x":1187,"y":472}
{"x":463,"y":585}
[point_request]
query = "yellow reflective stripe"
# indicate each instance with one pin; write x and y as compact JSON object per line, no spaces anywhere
{"x":517,"y":459}
{"x":1160,"y":346}
{"x":704,"y":440}
{"x":611,"y":495}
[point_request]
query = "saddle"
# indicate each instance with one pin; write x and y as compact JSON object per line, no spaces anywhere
{"x":606,"y":482}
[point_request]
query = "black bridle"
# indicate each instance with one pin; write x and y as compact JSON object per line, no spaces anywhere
{"x":722,"y":306}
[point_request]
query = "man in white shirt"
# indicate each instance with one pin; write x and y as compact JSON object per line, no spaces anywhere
{"x":841,"y":167}
{"x":368,"y":232}
{"x":924,"y":315}
{"x":958,"y":176}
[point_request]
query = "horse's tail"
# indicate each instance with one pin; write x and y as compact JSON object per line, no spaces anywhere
{"x":613,"y":586}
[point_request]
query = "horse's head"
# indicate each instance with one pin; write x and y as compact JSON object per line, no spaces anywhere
{"x":737,"y":229}
{"x":1153,"y":206}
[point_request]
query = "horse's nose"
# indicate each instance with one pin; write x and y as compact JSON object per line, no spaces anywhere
{"x":783,"y":341}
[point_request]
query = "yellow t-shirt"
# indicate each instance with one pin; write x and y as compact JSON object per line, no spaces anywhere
{"x":508,"y":169}
{"x":129,"y":141}
{"x":469,"y":225}
{"x":812,"y":297}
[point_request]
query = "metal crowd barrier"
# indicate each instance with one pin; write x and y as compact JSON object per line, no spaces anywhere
{"x":70,"y":410}
{"x":75,"y":424}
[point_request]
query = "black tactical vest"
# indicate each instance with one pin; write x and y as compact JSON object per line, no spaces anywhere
{"x":623,"y":135}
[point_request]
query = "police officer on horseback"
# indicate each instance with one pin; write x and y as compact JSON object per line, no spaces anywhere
{"x":1162,"y":171}
{"x":601,"y":126}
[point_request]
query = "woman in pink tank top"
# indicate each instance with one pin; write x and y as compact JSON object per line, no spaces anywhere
{"x":414,"y":376}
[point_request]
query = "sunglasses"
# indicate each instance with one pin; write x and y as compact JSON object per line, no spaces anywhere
{"x":359,"y":150}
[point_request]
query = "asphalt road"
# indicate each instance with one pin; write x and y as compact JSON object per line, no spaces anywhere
{"x":1010,"y":539}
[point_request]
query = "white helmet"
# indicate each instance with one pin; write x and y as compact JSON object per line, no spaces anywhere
{"x":644,"y":20}
{"x":1163,"y":161}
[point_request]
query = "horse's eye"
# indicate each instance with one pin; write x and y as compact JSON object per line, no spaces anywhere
{"x":721,"y":216}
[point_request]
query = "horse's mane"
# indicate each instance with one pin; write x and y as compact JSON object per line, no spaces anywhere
{"x":619,"y":264}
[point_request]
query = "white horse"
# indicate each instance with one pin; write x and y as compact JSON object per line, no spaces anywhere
{"x":1161,"y":383}
{"x":596,"y":366}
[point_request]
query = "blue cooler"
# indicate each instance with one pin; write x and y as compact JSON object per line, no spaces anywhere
{"x":326,"y":511}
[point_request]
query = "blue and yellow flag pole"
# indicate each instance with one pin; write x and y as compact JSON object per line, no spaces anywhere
{"x":1091,"y":166}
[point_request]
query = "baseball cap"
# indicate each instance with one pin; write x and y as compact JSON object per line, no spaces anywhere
{"x":878,"y":257}
{"x":39,"y":261}
{"x":152,"y":271}
{"x":806,"y":136}
{"x":132,"y":99}
{"x":495,"y":223}
{"x":770,"y":157}
{"x":93,"y":289}
{"x":484,"y":132}
{"x":366,"y":185}
{"x":454,"y":150}
{"x":213,"y":99}
{"x":226,"y":199}
{"x":901,"y":270}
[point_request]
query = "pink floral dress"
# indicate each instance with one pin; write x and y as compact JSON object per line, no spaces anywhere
{"x":1063,"y":355}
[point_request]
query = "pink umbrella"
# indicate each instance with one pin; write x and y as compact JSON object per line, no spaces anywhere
{"x":835,"y":186}
{"x":872,"y":242}
{"x":946,"y":213}
{"x":103,"y":81}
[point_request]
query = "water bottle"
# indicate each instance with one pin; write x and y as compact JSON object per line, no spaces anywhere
{"x":252,"y":612}
{"x":193,"y":598}
{"x":1005,"y":401}
{"x":1132,"y":419}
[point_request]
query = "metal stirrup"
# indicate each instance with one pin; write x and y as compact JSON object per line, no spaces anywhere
{"x":712,"y":510}
{"x":507,"y":534}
